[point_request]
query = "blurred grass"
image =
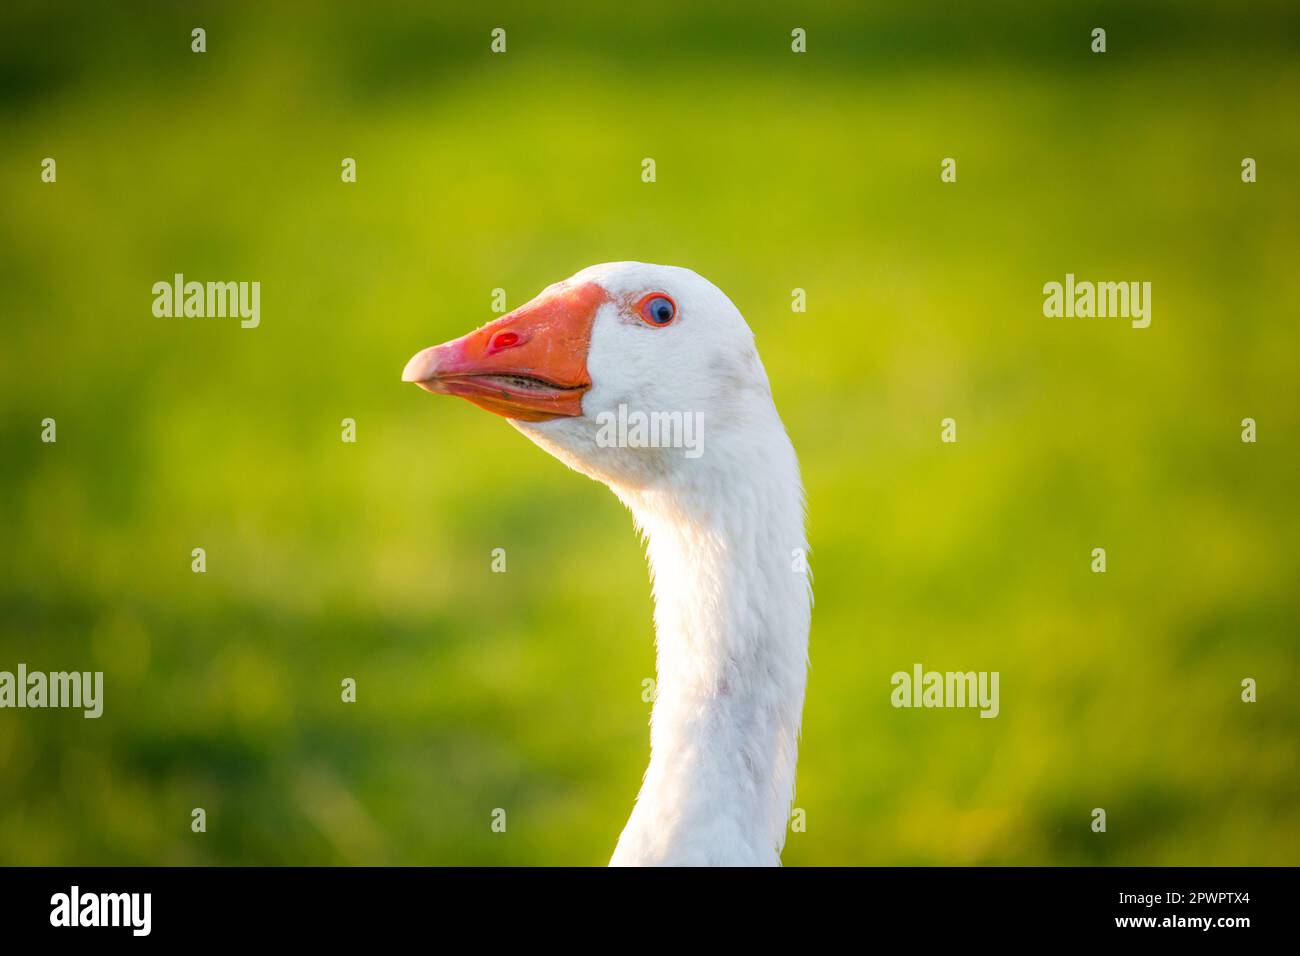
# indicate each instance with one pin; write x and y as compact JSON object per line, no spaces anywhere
{"x":522,"y":690}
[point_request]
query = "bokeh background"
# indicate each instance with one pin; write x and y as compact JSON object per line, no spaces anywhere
{"x":775,"y":171}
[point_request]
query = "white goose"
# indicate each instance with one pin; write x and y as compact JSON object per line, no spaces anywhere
{"x":722,"y":524}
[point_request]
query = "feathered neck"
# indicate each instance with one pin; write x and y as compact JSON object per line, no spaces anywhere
{"x":725,"y":543}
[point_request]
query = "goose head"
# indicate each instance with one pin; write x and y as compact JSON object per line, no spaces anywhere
{"x":627,"y":372}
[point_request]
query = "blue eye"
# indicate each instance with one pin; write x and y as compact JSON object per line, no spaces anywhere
{"x":658,"y":310}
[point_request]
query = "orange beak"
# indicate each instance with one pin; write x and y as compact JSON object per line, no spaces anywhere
{"x":530,"y":364}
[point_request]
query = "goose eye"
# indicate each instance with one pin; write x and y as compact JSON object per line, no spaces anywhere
{"x":658,"y":310}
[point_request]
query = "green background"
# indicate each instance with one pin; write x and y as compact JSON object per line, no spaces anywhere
{"x":775,"y":171}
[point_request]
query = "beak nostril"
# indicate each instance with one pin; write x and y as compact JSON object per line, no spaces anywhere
{"x":503,"y":340}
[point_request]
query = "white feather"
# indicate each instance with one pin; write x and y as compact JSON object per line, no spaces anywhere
{"x":732,"y":603}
